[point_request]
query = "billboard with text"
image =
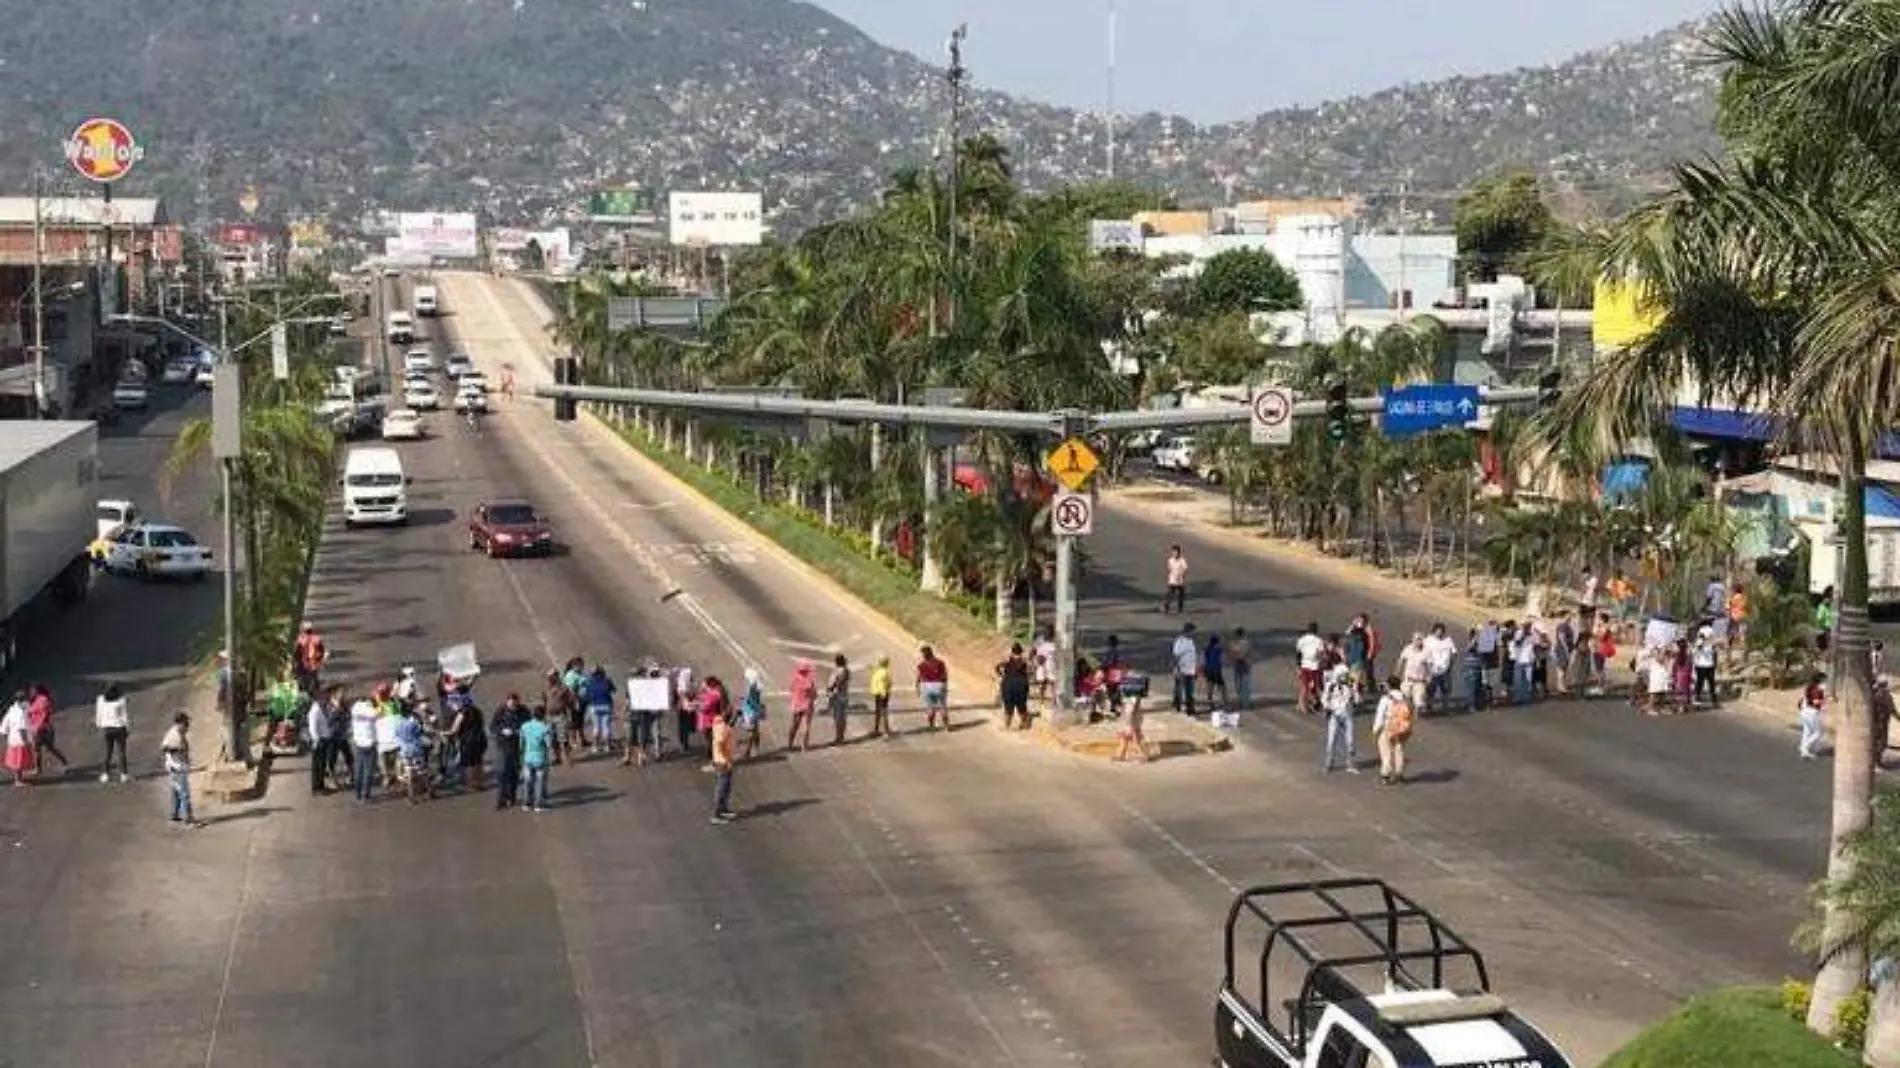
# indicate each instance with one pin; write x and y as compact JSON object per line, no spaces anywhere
{"x":625,"y":206}
{"x":717,"y":219}
{"x":445,"y":235}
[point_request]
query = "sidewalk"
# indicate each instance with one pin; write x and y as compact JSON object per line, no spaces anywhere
{"x":1208,"y":514}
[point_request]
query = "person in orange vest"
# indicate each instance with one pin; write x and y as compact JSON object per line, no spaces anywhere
{"x":308,"y":656}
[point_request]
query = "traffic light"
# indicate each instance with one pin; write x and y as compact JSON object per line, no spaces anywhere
{"x":1548,"y":391}
{"x":1338,"y":412}
{"x":566,"y":373}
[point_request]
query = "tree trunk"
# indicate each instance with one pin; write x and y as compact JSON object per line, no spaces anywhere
{"x":1883,"y":1028}
{"x":877,"y":462}
{"x":930,"y":573}
{"x":1005,"y":600}
{"x":831,"y":504}
{"x":1846,"y":969}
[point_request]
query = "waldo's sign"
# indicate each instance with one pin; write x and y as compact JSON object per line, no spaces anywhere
{"x":103,"y":150}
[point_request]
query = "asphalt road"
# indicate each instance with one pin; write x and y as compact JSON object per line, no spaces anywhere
{"x":960,"y":899}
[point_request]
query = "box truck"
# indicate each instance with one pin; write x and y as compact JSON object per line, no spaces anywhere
{"x":427,"y":303}
{"x":49,"y":496}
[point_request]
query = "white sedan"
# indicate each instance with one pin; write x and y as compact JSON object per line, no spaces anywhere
{"x":177,"y":372}
{"x":471,"y":397}
{"x":204,"y":378}
{"x":155,"y":550}
{"x":130,"y":395}
{"x":402,"y":425}
{"x":418,"y":360}
{"x":421,"y":396}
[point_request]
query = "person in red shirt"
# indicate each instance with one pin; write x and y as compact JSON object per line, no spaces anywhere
{"x":933,"y":685}
{"x":39,"y":714}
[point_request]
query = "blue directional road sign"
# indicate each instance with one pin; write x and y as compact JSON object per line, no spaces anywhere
{"x":1417,"y":409}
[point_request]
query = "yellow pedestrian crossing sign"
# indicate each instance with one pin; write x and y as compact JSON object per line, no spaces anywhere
{"x":1072,"y":462}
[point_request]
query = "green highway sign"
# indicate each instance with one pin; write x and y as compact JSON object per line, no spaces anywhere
{"x":621,"y":205}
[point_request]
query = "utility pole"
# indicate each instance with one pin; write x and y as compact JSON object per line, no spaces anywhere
{"x":931,"y":578}
{"x":239,"y":745}
{"x":39,"y":302}
{"x":1405,"y":296}
{"x":956,"y":74}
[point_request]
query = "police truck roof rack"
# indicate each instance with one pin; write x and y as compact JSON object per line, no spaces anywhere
{"x":1338,"y":926}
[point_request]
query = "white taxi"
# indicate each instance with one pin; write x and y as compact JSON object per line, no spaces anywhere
{"x":470,"y":395}
{"x":156,"y":550}
{"x":402,"y":425}
{"x":421,"y":396}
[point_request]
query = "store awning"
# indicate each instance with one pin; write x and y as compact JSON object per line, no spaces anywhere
{"x":1732,"y":425}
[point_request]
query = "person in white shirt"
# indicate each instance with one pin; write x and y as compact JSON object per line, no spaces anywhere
{"x":1392,"y":724}
{"x":1186,"y":657}
{"x":1441,"y":652}
{"x":388,"y":747}
{"x":1523,"y":664}
{"x":1703,"y":658}
{"x":1342,"y":701}
{"x":316,"y":729}
{"x":1044,"y":653}
{"x":1310,"y":651}
{"x":176,"y":746}
{"x":1176,"y":591}
{"x":363,"y":718}
{"x":16,"y":732}
{"x":115,"y":726}
{"x":1415,"y":670}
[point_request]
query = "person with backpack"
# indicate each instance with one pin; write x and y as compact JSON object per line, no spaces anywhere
{"x":1392,"y":726}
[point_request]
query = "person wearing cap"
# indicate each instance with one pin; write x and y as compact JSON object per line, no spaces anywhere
{"x":1341,"y":699}
{"x":176,"y":747}
{"x":308,"y":656}
{"x":1703,"y":656}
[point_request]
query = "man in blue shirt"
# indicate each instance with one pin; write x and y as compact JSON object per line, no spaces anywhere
{"x":412,"y":744}
{"x":537,"y":752}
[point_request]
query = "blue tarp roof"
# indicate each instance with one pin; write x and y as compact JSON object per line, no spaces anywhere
{"x":1882,"y":503}
{"x":1749,"y":426}
{"x":1624,"y":479}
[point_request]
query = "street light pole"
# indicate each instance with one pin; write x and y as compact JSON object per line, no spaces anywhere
{"x":237,"y":745}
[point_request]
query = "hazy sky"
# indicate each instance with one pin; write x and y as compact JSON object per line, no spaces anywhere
{"x":1224,"y":59}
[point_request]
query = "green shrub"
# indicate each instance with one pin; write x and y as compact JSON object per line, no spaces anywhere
{"x":1850,"y":1024}
{"x":1741,"y":1028}
{"x":1795,"y":996}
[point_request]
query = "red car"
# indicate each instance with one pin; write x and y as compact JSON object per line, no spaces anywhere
{"x":509,"y":528}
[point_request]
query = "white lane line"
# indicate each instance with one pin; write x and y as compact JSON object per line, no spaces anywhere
{"x":231,"y":949}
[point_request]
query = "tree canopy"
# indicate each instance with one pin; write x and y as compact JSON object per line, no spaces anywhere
{"x":1246,"y":280}
{"x":1500,"y":222}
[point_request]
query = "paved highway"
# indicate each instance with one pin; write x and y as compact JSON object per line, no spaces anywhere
{"x":962,"y":899}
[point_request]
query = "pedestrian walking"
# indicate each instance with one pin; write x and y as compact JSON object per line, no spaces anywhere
{"x":40,"y":711}
{"x":1441,"y":652}
{"x":388,"y":746}
{"x":1415,"y":670}
{"x":1013,"y":688}
{"x":599,"y":695}
{"x":1214,"y":671}
{"x":567,"y":711}
{"x":1174,"y":593}
{"x":803,"y":703}
{"x":1392,"y":724}
{"x":1042,"y":656}
{"x":308,"y":656}
{"x":752,"y":709}
{"x":470,"y":736}
{"x":537,"y":753}
{"x":933,"y":687}
{"x":1186,"y":658}
{"x":1681,"y":676}
{"x":1341,"y":700}
{"x":685,"y":709}
{"x":1240,"y":660}
{"x":1563,"y":654}
{"x":1309,"y":652}
{"x":1134,"y":746}
{"x":713,"y":705}
{"x":1490,"y":640}
{"x":880,"y":688}
{"x":505,"y":731}
{"x":176,"y":748}
{"x":722,"y":764}
{"x":1824,"y":619}
{"x":1809,"y":715}
{"x":838,"y":697}
{"x":1705,"y":659}
{"x":1361,"y":649}
{"x":1523,"y":647}
{"x":1477,"y":683}
{"x":363,"y":718}
{"x":114,"y":719}
{"x":17,"y":732}
{"x":340,"y":749}
{"x":316,"y":730}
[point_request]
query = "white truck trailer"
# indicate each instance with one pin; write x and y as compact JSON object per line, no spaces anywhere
{"x":49,"y":493}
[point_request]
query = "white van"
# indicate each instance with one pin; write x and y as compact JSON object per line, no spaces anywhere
{"x":402,"y":329}
{"x":425,"y":301}
{"x":375,"y":490}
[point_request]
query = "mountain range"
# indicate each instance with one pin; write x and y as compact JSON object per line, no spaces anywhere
{"x":518,"y":108}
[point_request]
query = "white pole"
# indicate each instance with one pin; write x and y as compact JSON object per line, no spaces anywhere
{"x":39,"y":303}
{"x":1065,"y":631}
{"x":1109,"y":116}
{"x":1405,"y":301}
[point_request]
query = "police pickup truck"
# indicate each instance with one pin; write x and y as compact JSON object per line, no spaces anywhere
{"x":1378,"y":983}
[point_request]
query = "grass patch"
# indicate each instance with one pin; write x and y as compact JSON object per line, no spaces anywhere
{"x":1742,"y":1028}
{"x":886,"y":584}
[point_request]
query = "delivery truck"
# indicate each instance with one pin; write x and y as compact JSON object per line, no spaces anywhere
{"x":49,"y":495}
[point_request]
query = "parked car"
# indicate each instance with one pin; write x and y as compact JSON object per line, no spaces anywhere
{"x":203,"y":378}
{"x":178,"y":372}
{"x":508,"y":528}
{"x":402,"y":425}
{"x":156,"y":550}
{"x":1174,"y":454}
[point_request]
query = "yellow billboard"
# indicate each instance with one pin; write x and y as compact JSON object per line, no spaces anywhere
{"x":1623,"y":315}
{"x":312,"y":233}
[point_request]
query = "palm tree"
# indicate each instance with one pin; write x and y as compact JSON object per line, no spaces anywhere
{"x":1772,"y":271}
